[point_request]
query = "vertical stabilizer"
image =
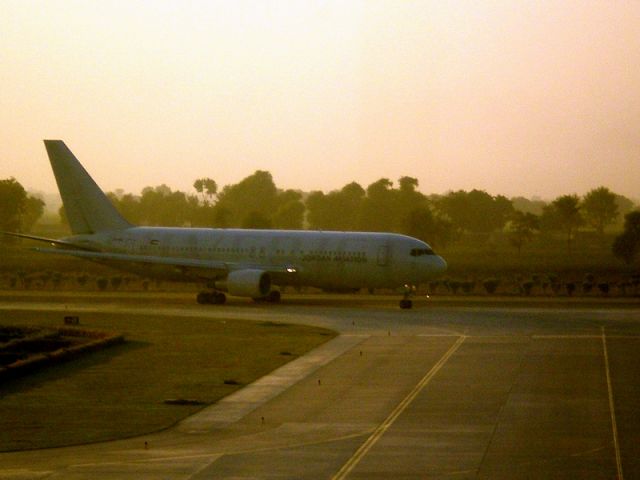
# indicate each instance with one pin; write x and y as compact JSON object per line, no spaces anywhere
{"x":88,"y":208}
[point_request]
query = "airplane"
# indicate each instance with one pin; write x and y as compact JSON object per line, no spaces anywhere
{"x":237,"y":262}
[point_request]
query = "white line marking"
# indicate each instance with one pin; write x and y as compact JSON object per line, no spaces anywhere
{"x":384,"y":426}
{"x":567,"y":336}
{"x":612,"y":410}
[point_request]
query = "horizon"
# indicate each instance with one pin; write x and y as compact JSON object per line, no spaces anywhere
{"x":535,"y":99}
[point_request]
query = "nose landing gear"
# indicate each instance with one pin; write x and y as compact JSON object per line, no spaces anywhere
{"x":406,"y":302}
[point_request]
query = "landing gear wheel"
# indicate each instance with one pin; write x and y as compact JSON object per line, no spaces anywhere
{"x":274,"y":296}
{"x":211,"y":298}
{"x":202,"y":298}
{"x":405,"y":303}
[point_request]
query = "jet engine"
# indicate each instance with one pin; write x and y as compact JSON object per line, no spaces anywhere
{"x":246,"y":283}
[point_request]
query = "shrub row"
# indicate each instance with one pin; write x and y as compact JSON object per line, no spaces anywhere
{"x":540,"y":285}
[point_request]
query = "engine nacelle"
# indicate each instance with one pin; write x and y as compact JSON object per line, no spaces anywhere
{"x":246,"y":283}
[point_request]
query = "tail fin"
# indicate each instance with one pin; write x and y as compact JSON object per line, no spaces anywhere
{"x":88,"y":208}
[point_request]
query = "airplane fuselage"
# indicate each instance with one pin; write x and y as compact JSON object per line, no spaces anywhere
{"x":328,"y":260}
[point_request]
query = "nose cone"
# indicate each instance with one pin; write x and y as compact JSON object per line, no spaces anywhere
{"x":439,"y":264}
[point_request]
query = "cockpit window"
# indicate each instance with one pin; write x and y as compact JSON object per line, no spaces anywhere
{"x":418,"y":252}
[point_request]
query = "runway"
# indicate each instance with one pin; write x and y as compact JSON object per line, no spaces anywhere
{"x":442,"y":391}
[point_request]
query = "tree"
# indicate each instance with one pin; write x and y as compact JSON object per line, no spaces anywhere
{"x":255,"y":193}
{"x":521,"y":229}
{"x":256,"y":220}
{"x":626,"y":245}
{"x":33,"y":210}
{"x":600,"y":208}
{"x":289,"y":215}
{"x":127,"y":204}
{"x":625,"y":205}
{"x":377,"y":212}
{"x":13,"y":198}
{"x":221,"y":217}
{"x":162,"y":206}
{"x":422,"y":223}
{"x":337,"y":210}
{"x":408,"y":184}
{"x":206,"y":187}
{"x":19,"y":211}
{"x":475,"y":211}
{"x":526,"y":205}
{"x":563,"y":214}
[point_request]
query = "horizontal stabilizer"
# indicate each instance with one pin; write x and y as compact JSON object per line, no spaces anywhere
{"x":52,"y":241}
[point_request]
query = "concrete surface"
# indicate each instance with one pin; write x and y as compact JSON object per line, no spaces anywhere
{"x":487,"y":391}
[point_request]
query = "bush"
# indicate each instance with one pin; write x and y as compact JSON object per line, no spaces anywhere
{"x":571,"y":287}
{"x":116,"y":282}
{"x":604,"y":288}
{"x":622,"y":286}
{"x":491,"y":285}
{"x":527,"y":287}
{"x":102,"y":283}
{"x":467,"y":287}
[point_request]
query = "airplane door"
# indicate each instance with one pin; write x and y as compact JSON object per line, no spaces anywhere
{"x":383,"y":255}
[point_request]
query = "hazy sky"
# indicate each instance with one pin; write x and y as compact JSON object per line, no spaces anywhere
{"x":534,"y":98}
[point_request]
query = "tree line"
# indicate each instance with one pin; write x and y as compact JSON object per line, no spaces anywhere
{"x":256,"y":202}
{"x":19,"y":211}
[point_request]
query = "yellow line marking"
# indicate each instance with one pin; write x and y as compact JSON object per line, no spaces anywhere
{"x":612,"y":410}
{"x":384,"y":426}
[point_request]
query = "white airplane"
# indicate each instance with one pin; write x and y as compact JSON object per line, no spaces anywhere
{"x":240,"y":262}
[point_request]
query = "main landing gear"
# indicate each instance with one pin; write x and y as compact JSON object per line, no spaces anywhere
{"x":406,"y":302}
{"x":272,"y":297}
{"x":218,"y":298}
{"x":212,"y":298}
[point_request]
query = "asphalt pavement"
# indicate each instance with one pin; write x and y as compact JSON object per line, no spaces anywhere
{"x":493,"y":390}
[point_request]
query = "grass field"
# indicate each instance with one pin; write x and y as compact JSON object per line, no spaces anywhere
{"x":121,"y":391}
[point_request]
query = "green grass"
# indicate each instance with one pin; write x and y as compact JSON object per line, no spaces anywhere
{"x":120,"y":392}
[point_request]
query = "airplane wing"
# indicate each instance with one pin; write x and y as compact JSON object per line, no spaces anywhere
{"x":153,"y":264}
